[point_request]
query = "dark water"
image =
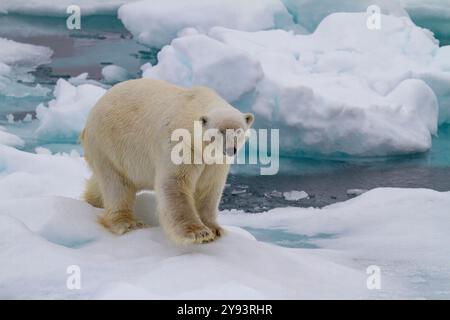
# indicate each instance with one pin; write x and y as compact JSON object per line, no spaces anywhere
{"x":256,"y":193}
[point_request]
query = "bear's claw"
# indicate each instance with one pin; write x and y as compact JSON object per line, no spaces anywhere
{"x":198,"y":234}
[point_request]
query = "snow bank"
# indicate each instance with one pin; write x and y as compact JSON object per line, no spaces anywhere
{"x":65,"y":116}
{"x":58,"y":8}
{"x":156,"y":23}
{"x":45,"y":229}
{"x":144,"y":265}
{"x":328,"y":92}
{"x":309,"y":13}
{"x":16,"y":61}
{"x":24,"y":174}
{"x":402,"y":231}
{"x":210,"y":63}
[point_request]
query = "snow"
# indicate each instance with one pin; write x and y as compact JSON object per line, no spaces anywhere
{"x":215,"y":67}
{"x":45,"y":229}
{"x":149,"y":23}
{"x":403,"y":231}
{"x":295,"y":195}
{"x":114,"y":74}
{"x":329,"y":91}
{"x":23,"y":54}
{"x":64,"y":117}
{"x":10,"y":139}
{"x":309,"y":13}
{"x":24,"y":174}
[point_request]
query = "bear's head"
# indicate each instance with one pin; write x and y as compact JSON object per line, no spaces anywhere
{"x":227,"y":128}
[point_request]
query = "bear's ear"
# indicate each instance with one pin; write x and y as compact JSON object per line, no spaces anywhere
{"x":249,"y":118}
{"x":203,"y":120}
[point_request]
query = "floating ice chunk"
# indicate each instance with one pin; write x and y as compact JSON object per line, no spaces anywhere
{"x":113,"y":74}
{"x":10,"y":139}
{"x":16,"y":61}
{"x":65,"y":116}
{"x":273,"y":194}
{"x":295,"y":195}
{"x":356,"y":192}
{"x":150,"y":22}
{"x":23,"y":54}
{"x":83,"y":78}
{"x":28,"y":118}
{"x":230,"y":71}
{"x":10,"y":118}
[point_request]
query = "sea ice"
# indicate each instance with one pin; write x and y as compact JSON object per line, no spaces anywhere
{"x":16,"y":61}
{"x":113,"y":74}
{"x":65,"y":116}
{"x":210,"y":63}
{"x":402,"y":231}
{"x":343,"y":89}
{"x":355,"y":192}
{"x":150,"y":22}
{"x":10,"y":139}
{"x":295,"y":195}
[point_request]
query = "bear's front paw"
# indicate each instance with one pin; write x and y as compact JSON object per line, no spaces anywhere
{"x":215,"y":228}
{"x":120,"y":222}
{"x":197,"y":233}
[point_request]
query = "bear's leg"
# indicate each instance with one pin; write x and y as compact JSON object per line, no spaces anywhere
{"x":177,"y":212}
{"x":92,"y":194}
{"x":207,"y":202}
{"x":119,"y":196}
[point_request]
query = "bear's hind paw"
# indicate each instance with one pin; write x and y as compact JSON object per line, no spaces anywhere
{"x":120,"y":222}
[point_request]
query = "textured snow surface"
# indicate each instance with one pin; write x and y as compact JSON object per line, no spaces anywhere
{"x":324,"y":253}
{"x":149,"y":20}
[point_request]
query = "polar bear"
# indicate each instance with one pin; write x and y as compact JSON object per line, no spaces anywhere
{"x":127,"y":144}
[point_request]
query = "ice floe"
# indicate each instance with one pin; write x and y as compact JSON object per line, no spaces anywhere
{"x":64,"y":116}
{"x":149,"y":20}
{"x":45,"y":230}
{"x":328,"y":92}
{"x":16,"y":61}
